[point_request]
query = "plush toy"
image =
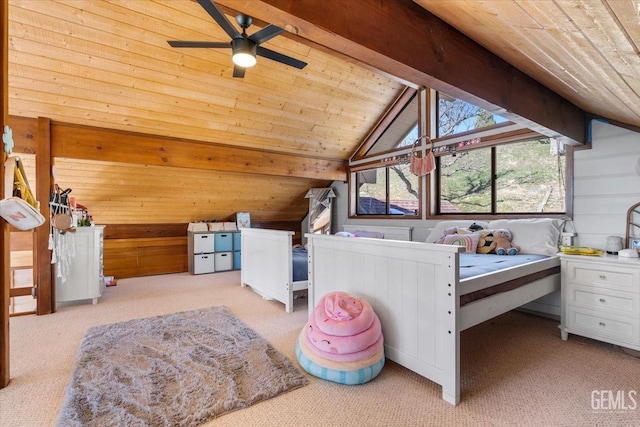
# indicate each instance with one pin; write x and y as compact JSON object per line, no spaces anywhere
{"x":485,"y":241}
{"x":502,"y":243}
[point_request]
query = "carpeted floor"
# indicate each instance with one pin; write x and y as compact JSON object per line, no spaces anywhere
{"x":515,"y":369}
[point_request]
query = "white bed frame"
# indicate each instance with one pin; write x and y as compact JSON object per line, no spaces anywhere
{"x":266,"y":264}
{"x":415,"y":290}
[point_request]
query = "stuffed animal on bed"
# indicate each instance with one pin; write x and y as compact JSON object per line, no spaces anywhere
{"x":502,"y":243}
{"x":485,"y":242}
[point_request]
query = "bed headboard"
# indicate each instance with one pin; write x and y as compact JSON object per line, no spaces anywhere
{"x":390,"y":233}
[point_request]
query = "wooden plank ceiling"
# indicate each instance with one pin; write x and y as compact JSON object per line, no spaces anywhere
{"x":108,"y":64}
{"x":587,"y":51}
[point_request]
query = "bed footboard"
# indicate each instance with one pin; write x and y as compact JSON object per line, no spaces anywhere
{"x":267,"y":264}
{"x":412,"y":288}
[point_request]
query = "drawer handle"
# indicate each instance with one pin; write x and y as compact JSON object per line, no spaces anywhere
{"x":602,"y":324}
{"x":602,"y":277}
{"x":602,"y":300}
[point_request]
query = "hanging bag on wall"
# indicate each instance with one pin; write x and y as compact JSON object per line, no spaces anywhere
{"x":61,"y":218}
{"x":20,"y":208}
{"x":419,"y":165}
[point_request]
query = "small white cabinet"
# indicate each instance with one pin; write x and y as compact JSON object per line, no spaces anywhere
{"x":85,"y":279}
{"x":601,"y":299}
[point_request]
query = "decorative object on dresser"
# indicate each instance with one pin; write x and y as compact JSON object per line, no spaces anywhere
{"x":601,"y":299}
{"x":80,"y":277}
{"x":614,"y":245}
{"x":632,"y":237}
{"x":213,"y":251}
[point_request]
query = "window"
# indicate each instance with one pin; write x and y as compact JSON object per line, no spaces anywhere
{"x":456,"y":116}
{"x":402,"y":131}
{"x":520,"y":177}
{"x":387,"y":190}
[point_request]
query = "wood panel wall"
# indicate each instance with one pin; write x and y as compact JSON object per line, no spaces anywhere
{"x":146,"y":189}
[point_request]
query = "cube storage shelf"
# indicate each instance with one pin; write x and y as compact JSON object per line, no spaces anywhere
{"x":213,"y":251}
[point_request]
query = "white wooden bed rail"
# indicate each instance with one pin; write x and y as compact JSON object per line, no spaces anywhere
{"x":266,"y":261}
{"x":411,"y":287}
{"x":414,"y":289}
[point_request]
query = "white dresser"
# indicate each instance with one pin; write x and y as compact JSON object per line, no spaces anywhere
{"x":85,"y":279}
{"x":601,"y":299}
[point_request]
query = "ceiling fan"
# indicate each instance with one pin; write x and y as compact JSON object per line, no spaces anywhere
{"x":244,"y":47}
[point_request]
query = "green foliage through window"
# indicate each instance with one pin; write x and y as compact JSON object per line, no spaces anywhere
{"x":529,"y":178}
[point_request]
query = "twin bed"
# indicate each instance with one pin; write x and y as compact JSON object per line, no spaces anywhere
{"x":420,"y":291}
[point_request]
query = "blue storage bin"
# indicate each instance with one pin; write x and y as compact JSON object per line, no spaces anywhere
{"x":237,"y":260}
{"x":224,"y":242}
{"x":237,"y":239}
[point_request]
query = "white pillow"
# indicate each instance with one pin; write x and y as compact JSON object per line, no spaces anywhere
{"x":438,"y":230}
{"x":533,"y":235}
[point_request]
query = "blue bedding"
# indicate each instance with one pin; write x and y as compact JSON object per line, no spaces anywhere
{"x":300,"y":264}
{"x":477,"y":264}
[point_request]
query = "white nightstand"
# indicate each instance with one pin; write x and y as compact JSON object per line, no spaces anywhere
{"x":601,"y":299}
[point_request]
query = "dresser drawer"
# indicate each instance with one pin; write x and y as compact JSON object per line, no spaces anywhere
{"x":601,"y":275}
{"x":603,"y":326}
{"x":605,"y":300}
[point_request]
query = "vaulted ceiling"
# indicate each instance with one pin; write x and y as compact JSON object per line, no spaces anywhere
{"x":587,"y":51}
{"x":108,"y":64}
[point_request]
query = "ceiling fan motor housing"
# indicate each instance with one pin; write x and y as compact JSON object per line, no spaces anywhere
{"x":244,"y":48}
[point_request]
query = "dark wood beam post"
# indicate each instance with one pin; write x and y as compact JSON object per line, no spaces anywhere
{"x":42,"y":256}
{"x":4,"y":228}
{"x":404,"y":40}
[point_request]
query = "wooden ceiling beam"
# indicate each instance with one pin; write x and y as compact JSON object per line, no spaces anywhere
{"x":93,"y":143}
{"x":404,"y":40}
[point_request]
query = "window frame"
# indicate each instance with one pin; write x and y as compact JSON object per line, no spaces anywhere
{"x":429,"y":187}
{"x":353,"y":190}
{"x":434,"y":211}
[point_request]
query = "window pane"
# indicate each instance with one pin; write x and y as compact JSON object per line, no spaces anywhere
{"x":372,"y":192}
{"x":403,"y":191}
{"x":530,"y":177}
{"x":456,"y":116}
{"x":465,"y":182}
{"x":401,"y":132}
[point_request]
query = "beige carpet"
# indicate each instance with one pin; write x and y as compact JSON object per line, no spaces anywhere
{"x":515,"y":369}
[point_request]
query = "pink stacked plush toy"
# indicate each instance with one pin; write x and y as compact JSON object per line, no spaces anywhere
{"x":342,"y":341}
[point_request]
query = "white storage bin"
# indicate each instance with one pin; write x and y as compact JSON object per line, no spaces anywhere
{"x":224,"y":261}
{"x":203,"y":243}
{"x":204,"y":263}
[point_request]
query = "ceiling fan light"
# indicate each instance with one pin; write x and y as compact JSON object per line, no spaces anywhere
{"x":244,"y":53}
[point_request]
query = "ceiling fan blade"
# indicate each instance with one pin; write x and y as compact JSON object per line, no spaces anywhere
{"x":214,"y":45}
{"x":219,"y":17}
{"x":238,"y":71}
{"x":287,"y":60}
{"x":267,"y":33}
